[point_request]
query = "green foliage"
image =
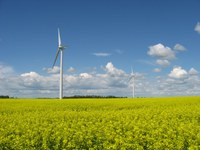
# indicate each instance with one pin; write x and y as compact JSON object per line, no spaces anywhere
{"x":145,"y":123}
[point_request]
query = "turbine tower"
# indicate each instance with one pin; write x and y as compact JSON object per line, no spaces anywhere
{"x":132,"y":79}
{"x":60,"y":50}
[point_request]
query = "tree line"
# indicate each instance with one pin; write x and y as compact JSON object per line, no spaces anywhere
{"x":4,"y":96}
{"x":91,"y":96}
{"x":75,"y":96}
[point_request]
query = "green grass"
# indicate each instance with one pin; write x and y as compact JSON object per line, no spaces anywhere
{"x":143,"y":123}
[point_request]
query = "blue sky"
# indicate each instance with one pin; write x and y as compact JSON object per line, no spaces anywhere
{"x":159,"y":39}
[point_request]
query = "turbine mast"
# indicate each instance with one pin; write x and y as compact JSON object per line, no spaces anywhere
{"x":133,"y":82}
{"x":61,"y":74}
{"x":60,"y":50}
{"x":133,"y":86}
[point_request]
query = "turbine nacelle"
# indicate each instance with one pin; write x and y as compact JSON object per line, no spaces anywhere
{"x":62,"y":47}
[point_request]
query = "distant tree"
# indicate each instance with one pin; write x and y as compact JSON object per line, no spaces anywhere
{"x":4,"y":96}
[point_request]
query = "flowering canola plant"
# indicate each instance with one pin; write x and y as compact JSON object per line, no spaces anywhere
{"x":140,"y":123}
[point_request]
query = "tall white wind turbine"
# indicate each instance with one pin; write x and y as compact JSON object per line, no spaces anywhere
{"x":60,"y":50}
{"x":132,"y":80}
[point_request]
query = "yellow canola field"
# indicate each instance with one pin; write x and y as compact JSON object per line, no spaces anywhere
{"x":140,"y":123}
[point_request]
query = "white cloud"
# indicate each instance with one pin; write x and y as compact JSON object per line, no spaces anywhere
{"x":102,"y":54}
{"x":163,"y":63}
{"x":53,"y":70}
{"x":30,"y":75}
{"x":179,"y":47}
{"x":193,"y":71}
{"x":112,"y":81}
{"x":157,"y":70}
{"x":178,"y":73}
{"x":71,"y":70}
{"x":32,"y":80}
{"x":5,"y":71}
{"x":85,"y":75}
{"x":197,"y":27}
{"x":173,"y":87}
{"x":110,"y":69}
{"x":161,"y":52}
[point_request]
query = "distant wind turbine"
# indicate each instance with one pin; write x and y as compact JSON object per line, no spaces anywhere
{"x":60,"y":50}
{"x":132,"y":80}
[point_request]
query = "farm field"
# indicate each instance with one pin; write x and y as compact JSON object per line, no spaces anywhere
{"x":142,"y":123}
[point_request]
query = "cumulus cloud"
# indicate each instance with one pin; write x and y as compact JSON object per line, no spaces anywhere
{"x":164,"y":54}
{"x":163,"y":63}
{"x":7,"y":79}
{"x":71,"y":70}
{"x":30,"y":75}
{"x":113,"y":81}
{"x":178,"y":73}
{"x":110,"y":69}
{"x":197,"y":27}
{"x":102,"y":54}
{"x":32,"y":80}
{"x":5,"y":70}
{"x":85,"y":75}
{"x":177,"y":87}
{"x":161,"y":52}
{"x":53,"y":70}
{"x":157,"y":70}
{"x":179,"y":47}
{"x":33,"y":84}
{"x":193,"y":71}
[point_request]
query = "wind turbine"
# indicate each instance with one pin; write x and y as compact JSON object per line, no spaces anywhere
{"x":60,"y":50}
{"x":132,"y":79}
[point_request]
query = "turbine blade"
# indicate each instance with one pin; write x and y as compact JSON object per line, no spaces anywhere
{"x":131,"y":77}
{"x":56,"y":57}
{"x":59,"y":38}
